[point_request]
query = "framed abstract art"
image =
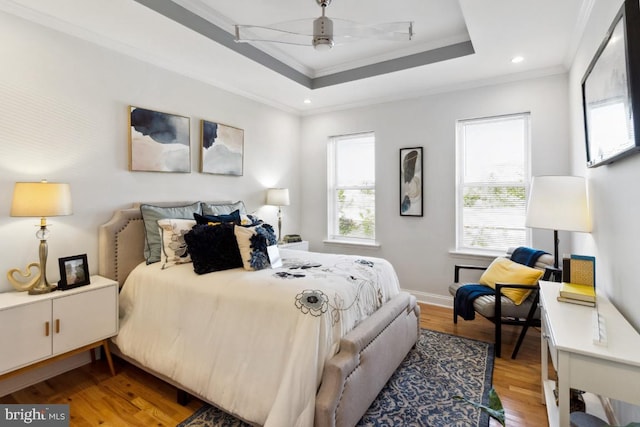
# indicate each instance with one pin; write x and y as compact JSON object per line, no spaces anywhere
{"x":411,"y":181}
{"x":221,"y":149}
{"x":158,"y":142}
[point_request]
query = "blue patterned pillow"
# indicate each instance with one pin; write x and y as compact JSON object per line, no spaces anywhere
{"x":253,"y":242}
{"x":233,"y":217}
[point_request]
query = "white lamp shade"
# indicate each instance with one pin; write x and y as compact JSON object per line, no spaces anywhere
{"x":559,"y":203}
{"x":278,"y":196}
{"x":41,"y":199}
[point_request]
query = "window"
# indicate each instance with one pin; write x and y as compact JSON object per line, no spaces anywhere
{"x":351,"y":188}
{"x":492,"y":179}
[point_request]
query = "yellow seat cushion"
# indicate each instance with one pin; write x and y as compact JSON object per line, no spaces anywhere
{"x":503,"y":270}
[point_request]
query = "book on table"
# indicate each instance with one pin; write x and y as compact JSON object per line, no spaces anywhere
{"x":577,"y":301}
{"x":578,"y":292}
{"x":579,"y":269}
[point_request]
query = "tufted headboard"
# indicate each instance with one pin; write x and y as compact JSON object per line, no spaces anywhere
{"x":121,"y":244}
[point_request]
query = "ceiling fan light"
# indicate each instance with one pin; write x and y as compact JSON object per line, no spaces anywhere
{"x":322,"y":43}
{"x":322,"y":33}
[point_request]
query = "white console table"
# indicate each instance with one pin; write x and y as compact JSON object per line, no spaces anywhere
{"x":612,"y":370}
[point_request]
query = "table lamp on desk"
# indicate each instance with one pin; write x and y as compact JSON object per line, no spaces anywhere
{"x":558,"y":203}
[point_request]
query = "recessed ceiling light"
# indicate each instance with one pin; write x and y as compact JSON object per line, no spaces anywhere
{"x":307,"y":101}
{"x":517,"y":59}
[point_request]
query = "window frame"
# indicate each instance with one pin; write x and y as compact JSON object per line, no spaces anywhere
{"x":460,"y":182}
{"x":333,"y":235}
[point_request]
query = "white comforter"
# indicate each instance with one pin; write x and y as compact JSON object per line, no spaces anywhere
{"x":252,"y":342}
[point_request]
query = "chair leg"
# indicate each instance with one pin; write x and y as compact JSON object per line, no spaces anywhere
{"x":498,"y":319}
{"x":498,"y":338}
{"x":455,"y":312}
{"x":520,"y":339}
{"x":528,"y":323}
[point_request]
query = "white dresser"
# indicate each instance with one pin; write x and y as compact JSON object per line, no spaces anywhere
{"x":611,"y":370}
{"x":38,"y":329}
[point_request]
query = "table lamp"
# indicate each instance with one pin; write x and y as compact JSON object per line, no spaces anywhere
{"x":40,"y":199}
{"x":558,"y":203}
{"x":278,"y":197}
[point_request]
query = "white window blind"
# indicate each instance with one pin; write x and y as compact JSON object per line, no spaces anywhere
{"x":351,"y":187}
{"x":493,"y":177}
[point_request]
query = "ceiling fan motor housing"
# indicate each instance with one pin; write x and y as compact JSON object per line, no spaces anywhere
{"x":323,"y":33}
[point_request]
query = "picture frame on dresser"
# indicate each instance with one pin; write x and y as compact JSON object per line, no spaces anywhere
{"x":74,"y":272}
{"x":611,"y":91}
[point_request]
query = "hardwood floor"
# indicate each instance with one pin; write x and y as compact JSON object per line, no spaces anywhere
{"x":135,"y":398}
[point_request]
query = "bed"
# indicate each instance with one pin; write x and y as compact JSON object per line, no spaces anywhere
{"x":321,"y":358}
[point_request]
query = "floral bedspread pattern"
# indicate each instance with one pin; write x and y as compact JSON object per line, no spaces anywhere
{"x":252,"y":342}
{"x":358,"y":273}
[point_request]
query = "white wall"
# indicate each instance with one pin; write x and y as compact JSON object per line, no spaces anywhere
{"x":63,"y":116}
{"x":419,"y":247}
{"x":615,"y":196}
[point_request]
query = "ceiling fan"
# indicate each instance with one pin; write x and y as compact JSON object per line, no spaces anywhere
{"x":324,"y":32}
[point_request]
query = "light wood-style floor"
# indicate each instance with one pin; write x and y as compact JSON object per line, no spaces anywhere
{"x":134,"y":398}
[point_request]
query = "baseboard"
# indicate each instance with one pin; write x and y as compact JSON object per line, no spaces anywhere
{"x":433,"y":299}
{"x":29,"y":378}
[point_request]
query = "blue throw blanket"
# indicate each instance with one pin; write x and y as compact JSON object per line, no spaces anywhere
{"x":526,"y":256}
{"x":467,"y":294}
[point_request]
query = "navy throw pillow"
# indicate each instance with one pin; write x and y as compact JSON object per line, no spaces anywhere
{"x":233,"y":217}
{"x":213,"y":248}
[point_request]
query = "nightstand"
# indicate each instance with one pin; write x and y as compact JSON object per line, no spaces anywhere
{"x":298,"y":246}
{"x":40,"y":329}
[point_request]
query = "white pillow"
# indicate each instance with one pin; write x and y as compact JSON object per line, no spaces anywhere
{"x":253,"y":243}
{"x":174,"y":248}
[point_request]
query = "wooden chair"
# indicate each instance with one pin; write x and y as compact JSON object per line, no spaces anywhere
{"x":503,"y":311}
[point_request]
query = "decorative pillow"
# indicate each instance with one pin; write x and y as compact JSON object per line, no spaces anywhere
{"x":174,"y":248}
{"x":222,"y":208}
{"x":150,"y":215}
{"x":503,"y":270}
{"x":247,"y":220}
{"x":253,"y":242}
{"x":213,"y":248}
{"x":233,"y":217}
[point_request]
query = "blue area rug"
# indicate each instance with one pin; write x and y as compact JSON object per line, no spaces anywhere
{"x":420,"y":392}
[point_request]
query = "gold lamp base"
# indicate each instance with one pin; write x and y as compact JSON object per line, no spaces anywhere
{"x":43,"y":286}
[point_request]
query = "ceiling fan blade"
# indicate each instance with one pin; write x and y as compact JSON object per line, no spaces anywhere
{"x":257,"y":33}
{"x":296,"y":32}
{"x":352,"y":31}
{"x":251,"y":33}
{"x":301,"y":32}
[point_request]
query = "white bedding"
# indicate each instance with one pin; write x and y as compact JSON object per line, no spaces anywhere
{"x":252,"y":342}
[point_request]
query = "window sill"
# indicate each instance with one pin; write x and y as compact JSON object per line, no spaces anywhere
{"x":479,"y":255}
{"x":352,"y":243}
